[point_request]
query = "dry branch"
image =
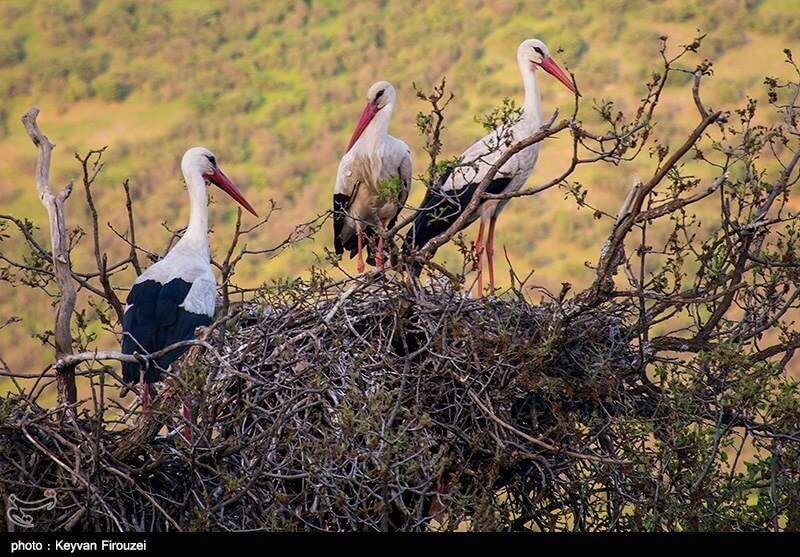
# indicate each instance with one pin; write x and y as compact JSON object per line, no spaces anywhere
{"x":54,"y":204}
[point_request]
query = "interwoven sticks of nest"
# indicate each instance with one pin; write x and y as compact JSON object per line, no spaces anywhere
{"x":345,"y":412}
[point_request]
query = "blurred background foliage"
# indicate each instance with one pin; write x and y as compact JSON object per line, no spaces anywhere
{"x":275,"y":88}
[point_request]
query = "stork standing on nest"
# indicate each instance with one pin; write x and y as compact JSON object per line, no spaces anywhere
{"x":443,"y":207}
{"x":373,"y":181}
{"x":178,"y":293}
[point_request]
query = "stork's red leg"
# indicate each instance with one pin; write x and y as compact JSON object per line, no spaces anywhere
{"x":186,"y":432}
{"x":479,"y":255}
{"x":490,"y":251}
{"x":360,"y":250}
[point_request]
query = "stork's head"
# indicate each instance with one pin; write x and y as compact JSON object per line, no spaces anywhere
{"x":381,"y":96}
{"x":199,"y":160}
{"x":535,"y":54}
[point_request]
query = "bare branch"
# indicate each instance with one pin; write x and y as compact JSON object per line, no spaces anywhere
{"x":54,"y":204}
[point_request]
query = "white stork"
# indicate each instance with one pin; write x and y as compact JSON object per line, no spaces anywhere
{"x":373,"y":180}
{"x":178,"y":293}
{"x":441,"y":208}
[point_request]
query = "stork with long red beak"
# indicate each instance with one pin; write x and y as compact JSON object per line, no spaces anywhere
{"x":373,"y":180}
{"x":178,"y":293}
{"x":442,"y":207}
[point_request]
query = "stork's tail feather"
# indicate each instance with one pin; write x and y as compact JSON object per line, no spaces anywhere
{"x":340,"y":203}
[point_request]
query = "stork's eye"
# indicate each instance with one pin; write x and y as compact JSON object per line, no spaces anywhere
{"x":539,"y":50}
{"x":212,"y":160}
{"x":380,"y":94}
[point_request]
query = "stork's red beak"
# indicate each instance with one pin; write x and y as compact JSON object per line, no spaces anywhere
{"x":549,"y":65}
{"x":219,"y":179}
{"x":366,"y":117}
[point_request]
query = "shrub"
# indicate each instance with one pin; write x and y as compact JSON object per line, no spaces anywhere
{"x":112,"y":88}
{"x":90,"y":64}
{"x":77,"y":89}
{"x":11,"y":50}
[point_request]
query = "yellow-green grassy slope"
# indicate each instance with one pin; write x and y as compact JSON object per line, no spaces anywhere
{"x":274,"y":88}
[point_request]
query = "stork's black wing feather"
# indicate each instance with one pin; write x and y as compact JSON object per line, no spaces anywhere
{"x":341,"y":202}
{"x":155,"y":320}
{"x":441,"y":209}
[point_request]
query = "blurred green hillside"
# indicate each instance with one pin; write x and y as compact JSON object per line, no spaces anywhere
{"x":275,"y":88}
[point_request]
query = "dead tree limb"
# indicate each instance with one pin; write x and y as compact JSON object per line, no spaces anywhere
{"x":54,"y":204}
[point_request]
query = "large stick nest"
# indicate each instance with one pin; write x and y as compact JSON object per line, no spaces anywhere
{"x":368,"y":405}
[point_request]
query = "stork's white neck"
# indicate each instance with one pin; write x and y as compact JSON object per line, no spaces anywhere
{"x":377,"y":130}
{"x":532,"y":106}
{"x":196,"y":235}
